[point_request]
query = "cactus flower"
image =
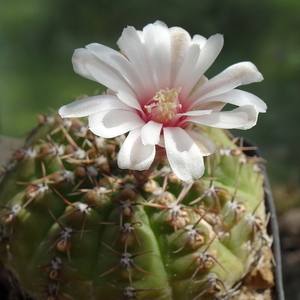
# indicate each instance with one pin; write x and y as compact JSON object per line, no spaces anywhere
{"x":157,"y":91}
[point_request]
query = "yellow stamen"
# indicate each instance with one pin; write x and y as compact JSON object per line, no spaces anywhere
{"x":165,"y":105}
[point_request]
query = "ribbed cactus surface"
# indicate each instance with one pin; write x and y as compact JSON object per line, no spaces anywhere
{"x":75,"y":226}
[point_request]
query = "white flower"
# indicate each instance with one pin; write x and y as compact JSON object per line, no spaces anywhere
{"x":157,"y":90}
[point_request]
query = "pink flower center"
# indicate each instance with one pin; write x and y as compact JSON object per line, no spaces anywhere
{"x":164,"y":105}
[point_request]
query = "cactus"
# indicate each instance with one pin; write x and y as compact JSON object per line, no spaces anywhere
{"x":75,"y":226}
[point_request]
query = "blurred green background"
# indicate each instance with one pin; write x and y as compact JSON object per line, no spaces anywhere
{"x":38,"y":37}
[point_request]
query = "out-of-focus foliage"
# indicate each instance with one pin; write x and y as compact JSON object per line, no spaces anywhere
{"x":37,"y":38}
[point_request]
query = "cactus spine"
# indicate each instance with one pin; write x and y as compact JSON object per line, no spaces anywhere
{"x":75,"y":226}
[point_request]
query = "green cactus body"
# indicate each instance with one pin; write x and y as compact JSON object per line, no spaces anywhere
{"x":75,"y":226}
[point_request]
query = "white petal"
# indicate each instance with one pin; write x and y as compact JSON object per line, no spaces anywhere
{"x":180,"y":43}
{"x":233,"y":76}
{"x":224,"y":119}
{"x":112,"y":123}
{"x":131,"y":45}
{"x":207,"y":56}
{"x":158,"y":46}
{"x":213,"y":106}
{"x":206,"y":146}
{"x":199,"y":39}
{"x":181,"y":122}
{"x":107,"y":75}
{"x":150,"y":133}
{"x":80,"y":57}
{"x":183,"y":154}
{"x":133,"y":154}
{"x":196,"y":113}
{"x":252,"y":113}
{"x":120,"y":63}
{"x":91,"y":105}
{"x":239,"y":98}
{"x":129,"y":99}
{"x":187,"y":65}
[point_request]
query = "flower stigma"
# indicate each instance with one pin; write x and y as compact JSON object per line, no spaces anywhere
{"x":165,"y":104}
